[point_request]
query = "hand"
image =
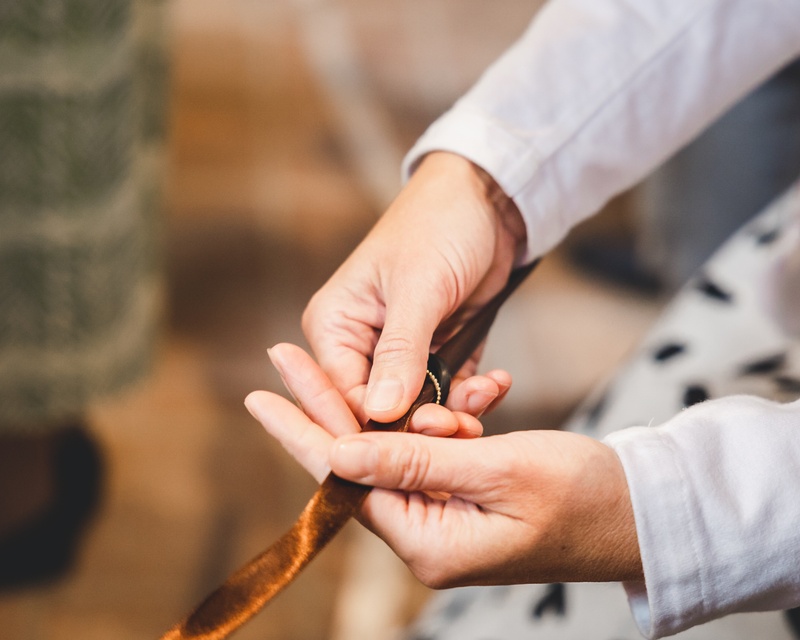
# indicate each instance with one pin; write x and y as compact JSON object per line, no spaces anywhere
{"x":324,"y":405}
{"x":536,"y":506}
{"x":442,"y":249}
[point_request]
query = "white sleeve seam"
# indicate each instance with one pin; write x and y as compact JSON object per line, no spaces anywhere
{"x":691,"y":523}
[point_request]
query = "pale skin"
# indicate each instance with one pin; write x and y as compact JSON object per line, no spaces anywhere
{"x":441,"y":250}
{"x":535,"y":506}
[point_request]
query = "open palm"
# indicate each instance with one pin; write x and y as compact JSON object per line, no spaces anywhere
{"x":533,"y":506}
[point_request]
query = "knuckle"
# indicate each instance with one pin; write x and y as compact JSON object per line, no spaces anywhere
{"x":413,"y":466}
{"x":395,"y":349}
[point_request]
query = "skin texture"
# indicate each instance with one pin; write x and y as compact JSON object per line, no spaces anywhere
{"x":441,"y":250}
{"x":535,"y":506}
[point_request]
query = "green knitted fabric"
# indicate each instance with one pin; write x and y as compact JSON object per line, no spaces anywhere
{"x":81,"y":141}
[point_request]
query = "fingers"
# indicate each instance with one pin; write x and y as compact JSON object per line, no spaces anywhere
{"x":348,"y":370}
{"x":307,"y":431}
{"x":411,"y":462}
{"x":401,"y":354}
{"x":342,"y":342}
{"x":477,"y":395}
{"x":437,"y":421}
{"x":313,"y":390}
{"x":305,"y":441}
{"x":439,"y":252}
{"x":468,"y":400}
{"x":537,"y":506}
{"x":324,"y":412}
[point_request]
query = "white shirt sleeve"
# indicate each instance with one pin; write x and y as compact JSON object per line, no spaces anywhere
{"x":715,"y":499}
{"x":594,"y":95}
{"x":597,"y":93}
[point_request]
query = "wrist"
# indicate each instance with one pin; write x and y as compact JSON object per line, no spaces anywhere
{"x":509,"y":225}
{"x":612,"y":541}
{"x":512,"y":233}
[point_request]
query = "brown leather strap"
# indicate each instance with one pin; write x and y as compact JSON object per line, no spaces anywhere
{"x":246,"y":591}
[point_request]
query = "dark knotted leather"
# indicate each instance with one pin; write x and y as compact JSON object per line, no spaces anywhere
{"x":246,"y":591}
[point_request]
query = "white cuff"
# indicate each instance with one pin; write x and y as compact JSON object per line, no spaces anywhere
{"x":713,"y":494}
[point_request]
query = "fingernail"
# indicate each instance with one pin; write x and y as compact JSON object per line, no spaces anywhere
{"x":384,"y":395}
{"x":273,"y":359}
{"x":279,"y":368}
{"x":248,"y":402}
{"x":478,"y":402}
{"x":354,"y":459}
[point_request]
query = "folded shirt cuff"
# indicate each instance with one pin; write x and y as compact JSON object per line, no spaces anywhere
{"x":666,"y":516}
{"x":509,"y":158}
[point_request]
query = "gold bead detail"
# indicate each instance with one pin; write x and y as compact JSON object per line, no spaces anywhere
{"x":436,"y":386}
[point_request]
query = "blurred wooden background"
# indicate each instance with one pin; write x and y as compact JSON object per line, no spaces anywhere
{"x":288,"y":120}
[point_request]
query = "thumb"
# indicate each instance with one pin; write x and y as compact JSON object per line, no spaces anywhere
{"x":407,"y":462}
{"x":400,"y":357}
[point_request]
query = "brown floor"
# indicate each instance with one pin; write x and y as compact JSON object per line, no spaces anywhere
{"x":288,"y":120}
